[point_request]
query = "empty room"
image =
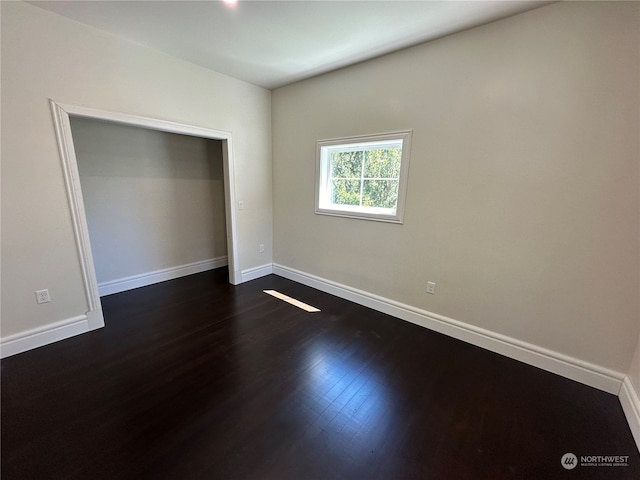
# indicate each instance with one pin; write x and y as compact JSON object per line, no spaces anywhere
{"x":320,"y":240}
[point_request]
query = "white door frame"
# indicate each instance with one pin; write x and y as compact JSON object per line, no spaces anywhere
{"x":61,"y":115}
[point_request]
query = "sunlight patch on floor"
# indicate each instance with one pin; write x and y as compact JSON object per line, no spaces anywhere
{"x":292,"y":301}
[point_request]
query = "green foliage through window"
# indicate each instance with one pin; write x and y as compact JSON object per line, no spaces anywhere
{"x":366,"y":177}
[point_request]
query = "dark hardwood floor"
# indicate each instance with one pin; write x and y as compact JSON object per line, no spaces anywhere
{"x":198,"y":379}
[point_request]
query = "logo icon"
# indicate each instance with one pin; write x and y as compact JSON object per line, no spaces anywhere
{"x":569,"y":461}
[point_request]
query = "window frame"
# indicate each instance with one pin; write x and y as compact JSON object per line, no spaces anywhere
{"x":323,"y":167}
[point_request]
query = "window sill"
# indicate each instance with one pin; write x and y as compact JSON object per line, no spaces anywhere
{"x":360,"y":216}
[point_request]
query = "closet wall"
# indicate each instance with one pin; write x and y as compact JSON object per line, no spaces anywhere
{"x":154,"y":200}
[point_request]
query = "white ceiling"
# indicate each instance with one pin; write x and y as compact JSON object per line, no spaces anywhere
{"x":273,"y":43}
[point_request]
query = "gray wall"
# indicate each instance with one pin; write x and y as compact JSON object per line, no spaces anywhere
{"x":153,"y":200}
{"x":634,"y":370}
{"x":523,"y":194}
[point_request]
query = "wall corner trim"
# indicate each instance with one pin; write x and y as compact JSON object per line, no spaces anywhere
{"x":630,"y":401}
{"x":564,"y":365}
{"x":256,"y":272}
{"x":38,"y":337}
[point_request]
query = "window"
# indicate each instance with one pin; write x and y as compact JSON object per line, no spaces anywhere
{"x":363,"y":177}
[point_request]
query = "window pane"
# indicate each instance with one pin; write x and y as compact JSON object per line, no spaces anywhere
{"x":380,"y":193}
{"x":363,"y":177}
{"x":383,"y":163}
{"x":345,"y":192}
{"x":346,"y":165}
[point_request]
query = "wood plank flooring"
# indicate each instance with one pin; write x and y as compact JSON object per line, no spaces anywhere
{"x":198,"y":379}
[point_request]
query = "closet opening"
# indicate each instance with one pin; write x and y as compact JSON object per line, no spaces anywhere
{"x":150,"y":200}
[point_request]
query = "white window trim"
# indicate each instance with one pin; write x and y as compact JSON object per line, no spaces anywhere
{"x":353,"y":211}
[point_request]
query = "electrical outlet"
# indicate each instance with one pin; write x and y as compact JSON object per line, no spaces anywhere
{"x":431,"y":288}
{"x":262,"y":248}
{"x":42,"y":296}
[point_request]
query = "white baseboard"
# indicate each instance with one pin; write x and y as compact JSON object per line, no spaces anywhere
{"x":144,"y":279}
{"x":45,"y":335}
{"x":630,"y":401}
{"x":584,"y":372}
{"x":256,"y":272}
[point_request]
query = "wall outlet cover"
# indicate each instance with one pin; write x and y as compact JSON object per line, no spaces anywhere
{"x":42,"y":296}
